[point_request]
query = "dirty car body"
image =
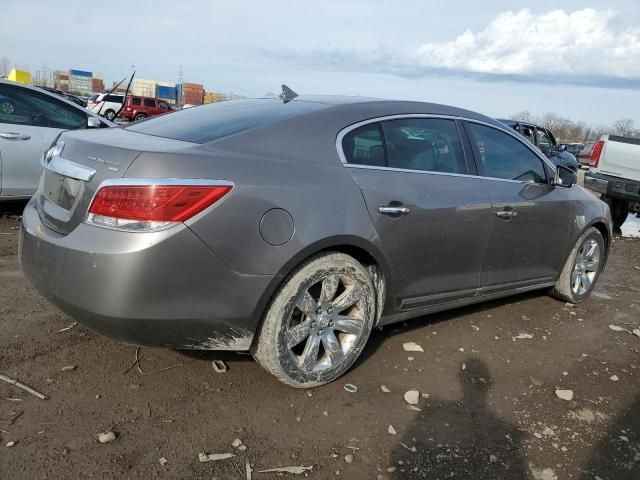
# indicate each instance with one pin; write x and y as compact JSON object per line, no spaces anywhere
{"x":435,"y":228}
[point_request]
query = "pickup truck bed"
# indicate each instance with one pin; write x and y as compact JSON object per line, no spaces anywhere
{"x":615,"y":173}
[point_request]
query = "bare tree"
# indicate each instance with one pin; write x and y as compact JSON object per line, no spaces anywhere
{"x":523,"y":116}
{"x":623,"y":128}
{"x":5,"y":66}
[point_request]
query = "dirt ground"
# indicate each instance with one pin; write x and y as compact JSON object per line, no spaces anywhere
{"x":487,"y":379}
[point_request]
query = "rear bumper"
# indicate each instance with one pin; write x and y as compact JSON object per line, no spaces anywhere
{"x":161,"y":289}
{"x":613,"y":187}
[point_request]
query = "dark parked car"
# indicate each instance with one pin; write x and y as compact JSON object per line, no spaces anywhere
{"x":584,"y":157}
{"x":572,"y":148}
{"x":545,"y":141}
{"x":292,"y":228}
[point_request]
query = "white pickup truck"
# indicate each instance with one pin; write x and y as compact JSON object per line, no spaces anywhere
{"x":615,"y":173}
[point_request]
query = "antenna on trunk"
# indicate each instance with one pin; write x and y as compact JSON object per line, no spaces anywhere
{"x":287,"y":94}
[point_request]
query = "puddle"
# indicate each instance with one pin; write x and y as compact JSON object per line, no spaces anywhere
{"x":631,"y":227}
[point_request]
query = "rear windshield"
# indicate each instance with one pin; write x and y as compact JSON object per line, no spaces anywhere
{"x":216,"y":120}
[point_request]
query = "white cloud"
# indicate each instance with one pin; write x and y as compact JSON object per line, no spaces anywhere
{"x":584,"y":42}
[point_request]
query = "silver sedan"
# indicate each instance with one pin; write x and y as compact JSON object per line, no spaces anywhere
{"x":31,"y":119}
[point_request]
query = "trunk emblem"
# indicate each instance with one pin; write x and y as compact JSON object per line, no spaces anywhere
{"x":111,"y":164}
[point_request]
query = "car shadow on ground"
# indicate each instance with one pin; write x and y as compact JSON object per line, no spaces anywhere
{"x":462,"y":439}
{"x":12,"y":208}
{"x":380,"y":335}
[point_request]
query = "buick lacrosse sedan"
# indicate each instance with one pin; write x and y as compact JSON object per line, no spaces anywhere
{"x":292,"y":228}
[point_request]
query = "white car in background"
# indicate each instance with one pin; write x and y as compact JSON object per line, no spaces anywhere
{"x":107,"y":105}
{"x":31,"y":119}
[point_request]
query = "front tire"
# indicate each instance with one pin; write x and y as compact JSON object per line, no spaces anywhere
{"x":109,"y":114}
{"x":318,"y":322}
{"x":582,"y":269}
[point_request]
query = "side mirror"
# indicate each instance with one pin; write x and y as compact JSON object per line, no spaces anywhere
{"x":564,"y":177}
{"x":93,"y":122}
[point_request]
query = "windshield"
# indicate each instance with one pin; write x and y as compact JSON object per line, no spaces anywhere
{"x":216,"y":120}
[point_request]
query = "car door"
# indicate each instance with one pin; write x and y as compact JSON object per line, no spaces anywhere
{"x":29,"y":122}
{"x":432,"y":217}
{"x":163,"y":107}
{"x":530,"y":217}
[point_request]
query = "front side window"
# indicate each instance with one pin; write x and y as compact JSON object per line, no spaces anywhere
{"x":502,"y":156}
{"x":364,"y":146}
{"x":163,"y":106}
{"x":429,"y":144}
{"x":22,"y":106}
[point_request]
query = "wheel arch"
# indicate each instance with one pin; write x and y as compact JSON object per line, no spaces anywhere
{"x":362,"y":250}
{"x":601,"y":225}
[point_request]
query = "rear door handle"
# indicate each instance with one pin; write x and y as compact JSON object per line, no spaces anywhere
{"x":393,"y":210}
{"x":14,"y":136}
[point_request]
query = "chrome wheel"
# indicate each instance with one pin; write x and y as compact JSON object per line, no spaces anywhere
{"x":586,"y":266}
{"x":326,"y":322}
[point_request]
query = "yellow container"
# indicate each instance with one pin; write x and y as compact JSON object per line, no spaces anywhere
{"x":19,"y":76}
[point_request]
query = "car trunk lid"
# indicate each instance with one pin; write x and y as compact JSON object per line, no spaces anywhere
{"x":70,"y":180}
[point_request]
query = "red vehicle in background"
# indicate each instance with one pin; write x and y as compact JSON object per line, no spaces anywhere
{"x":139,"y":108}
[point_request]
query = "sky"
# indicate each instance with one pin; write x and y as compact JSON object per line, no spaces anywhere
{"x":580,"y":59}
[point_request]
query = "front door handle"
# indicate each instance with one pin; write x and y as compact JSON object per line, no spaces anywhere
{"x":393,"y":210}
{"x":14,"y":136}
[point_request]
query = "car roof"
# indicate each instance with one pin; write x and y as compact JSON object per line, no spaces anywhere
{"x":377,"y":107}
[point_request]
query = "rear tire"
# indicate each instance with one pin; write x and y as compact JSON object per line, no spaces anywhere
{"x":619,"y":210}
{"x":582,"y":269}
{"x":109,"y":114}
{"x":318,"y":322}
{"x":139,"y":116}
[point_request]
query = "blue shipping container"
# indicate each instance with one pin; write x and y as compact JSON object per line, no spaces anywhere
{"x":80,"y":73}
{"x":167,"y":93}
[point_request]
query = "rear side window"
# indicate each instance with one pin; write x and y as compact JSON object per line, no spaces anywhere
{"x":113,"y":98}
{"x":216,"y":120}
{"x":364,"y":146}
{"x":429,"y":144}
{"x":149,"y":102}
{"x":136,"y":101}
{"x":502,"y":156}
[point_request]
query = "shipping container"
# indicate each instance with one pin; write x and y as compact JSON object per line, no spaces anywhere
{"x":97,"y":85}
{"x":80,"y":73}
{"x":166,"y":92}
{"x":212,"y":97}
{"x":19,"y":76}
{"x":144,"y":88}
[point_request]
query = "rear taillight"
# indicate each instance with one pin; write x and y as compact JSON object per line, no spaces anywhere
{"x":149,"y":207}
{"x":595,"y":153}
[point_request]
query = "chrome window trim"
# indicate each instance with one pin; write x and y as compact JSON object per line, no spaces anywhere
{"x":67,"y":168}
{"x":429,"y":172}
{"x":509,"y":131}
